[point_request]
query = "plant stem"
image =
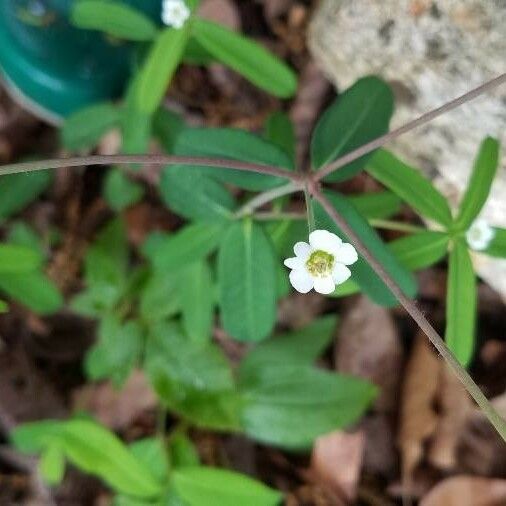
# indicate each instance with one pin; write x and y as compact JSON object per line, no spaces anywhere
{"x":265,"y":197}
{"x":15,"y":168}
{"x":421,"y":120}
{"x":396,"y":225}
{"x":410,"y":306}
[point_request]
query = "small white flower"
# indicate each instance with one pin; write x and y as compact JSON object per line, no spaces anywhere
{"x":321,"y":264}
{"x":480,"y":235}
{"x":175,"y":13}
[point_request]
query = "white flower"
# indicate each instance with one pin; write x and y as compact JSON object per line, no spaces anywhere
{"x":321,"y":264}
{"x":175,"y":13}
{"x":480,"y":235}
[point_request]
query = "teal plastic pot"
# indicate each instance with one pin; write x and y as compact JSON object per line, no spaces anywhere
{"x":55,"y":69}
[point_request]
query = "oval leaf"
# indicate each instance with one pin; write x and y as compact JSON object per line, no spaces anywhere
{"x":114,"y":18}
{"x":410,"y":186}
{"x":246,"y":57}
{"x":14,"y":258}
{"x":246,"y":278}
{"x":461,"y":303}
{"x":480,"y":183}
{"x":359,"y":115}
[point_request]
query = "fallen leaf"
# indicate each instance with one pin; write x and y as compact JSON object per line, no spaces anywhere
{"x":223,"y":12}
{"x":336,"y":462}
{"x":418,"y":419}
{"x":467,"y":491}
{"x":368,"y":346}
{"x":114,"y":408}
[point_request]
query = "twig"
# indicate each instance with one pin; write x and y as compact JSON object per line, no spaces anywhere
{"x":424,"y":118}
{"x":493,"y":416}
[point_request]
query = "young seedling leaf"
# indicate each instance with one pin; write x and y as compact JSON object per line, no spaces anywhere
{"x":246,"y":57}
{"x":409,"y":184}
{"x":359,"y":115}
{"x":480,"y":183}
{"x":114,"y":18}
{"x":461,"y":303}
{"x":246,"y":278}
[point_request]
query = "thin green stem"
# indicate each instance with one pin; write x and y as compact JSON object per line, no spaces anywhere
{"x":396,"y":225}
{"x":411,"y":308}
{"x":265,"y":197}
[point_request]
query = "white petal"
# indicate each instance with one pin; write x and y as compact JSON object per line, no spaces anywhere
{"x":324,"y":285}
{"x":301,"y":280}
{"x":340,"y":273}
{"x":295,"y":263}
{"x":479,"y":235}
{"x":346,"y":254}
{"x":302,"y":250}
{"x":324,"y":240}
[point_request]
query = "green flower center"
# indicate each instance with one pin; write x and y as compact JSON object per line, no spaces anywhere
{"x":320,"y":264}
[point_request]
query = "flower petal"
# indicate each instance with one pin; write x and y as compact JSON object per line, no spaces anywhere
{"x":346,"y":254}
{"x":324,"y":285}
{"x":302,"y":250}
{"x":324,"y":240}
{"x":301,"y":280}
{"x":340,"y":273}
{"x":295,"y":263}
{"x":479,"y":235}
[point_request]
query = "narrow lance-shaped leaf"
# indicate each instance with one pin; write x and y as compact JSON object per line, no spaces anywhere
{"x":246,"y":57}
{"x":237,"y":145}
{"x":114,"y":18}
{"x":497,"y":247}
{"x":359,"y":115}
{"x":159,"y":67}
{"x":480,"y":183}
{"x":461,"y":303}
{"x":362,"y":273}
{"x":246,"y":278}
{"x":410,"y":186}
{"x":377,"y":205}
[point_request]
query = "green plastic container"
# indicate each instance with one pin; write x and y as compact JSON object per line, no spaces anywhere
{"x":55,"y":69}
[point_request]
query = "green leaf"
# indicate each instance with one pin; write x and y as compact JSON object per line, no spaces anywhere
{"x":291,"y":405}
{"x":480,"y":183}
{"x":182,"y":451}
{"x":376,"y":206}
{"x":34,"y":290}
{"x":84,"y":128}
{"x":22,"y":234}
{"x":19,"y":190}
{"x":188,"y":245}
{"x":206,"y":486}
{"x":120,"y":191}
{"x":246,"y":274}
{"x":497,"y":247}
{"x":461,"y":303}
{"x":302,"y":347}
{"x":152,"y":453}
{"x":197,"y":301}
{"x":94,"y":450}
{"x":3,"y":306}
{"x":410,"y":186}
{"x":52,"y":464}
{"x":362,"y":273}
{"x":16,"y":259}
{"x":160,"y":297}
{"x":359,"y":115}
{"x":194,"y":195}
{"x":114,"y":18}
{"x":117,"y":351}
{"x":234,"y":144}
{"x":246,"y":57}
{"x":195,"y":54}
{"x":422,"y":250}
{"x":160,"y":66}
{"x":167,"y":125}
{"x":285,"y":233}
{"x":279,"y":131}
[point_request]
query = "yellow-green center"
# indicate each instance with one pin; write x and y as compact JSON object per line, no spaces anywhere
{"x":320,"y":264}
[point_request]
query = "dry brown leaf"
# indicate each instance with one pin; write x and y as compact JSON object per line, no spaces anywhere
{"x":336,"y":462}
{"x":114,"y":408}
{"x":455,"y":407}
{"x":418,"y":419}
{"x":467,"y":491}
{"x":368,"y":346}
{"x":223,"y":12}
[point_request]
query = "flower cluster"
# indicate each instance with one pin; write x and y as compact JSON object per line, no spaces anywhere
{"x":175,"y":13}
{"x":480,"y":235}
{"x":321,"y":264}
